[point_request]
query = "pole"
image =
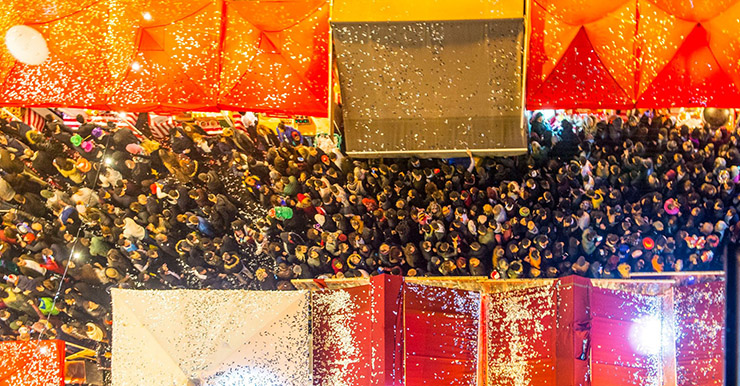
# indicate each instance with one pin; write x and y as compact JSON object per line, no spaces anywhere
{"x":732,"y":324}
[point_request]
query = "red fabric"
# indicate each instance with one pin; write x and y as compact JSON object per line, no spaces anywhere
{"x":700,"y":343}
{"x":386,"y":334}
{"x":263,"y":55}
{"x":32,"y":363}
{"x":694,"y":76}
{"x":568,"y":86}
{"x":441,"y":335}
{"x":288,"y":66}
{"x":341,"y":324}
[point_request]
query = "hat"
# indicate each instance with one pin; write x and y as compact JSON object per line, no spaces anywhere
{"x":112,"y":273}
{"x":83,"y":165}
{"x":648,"y":243}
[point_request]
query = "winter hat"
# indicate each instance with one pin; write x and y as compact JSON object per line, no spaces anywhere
{"x":283,"y":213}
{"x":648,"y":243}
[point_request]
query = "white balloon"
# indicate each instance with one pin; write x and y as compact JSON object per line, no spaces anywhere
{"x":26,"y":45}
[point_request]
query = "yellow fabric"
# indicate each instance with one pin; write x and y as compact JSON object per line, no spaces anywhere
{"x":409,"y":10}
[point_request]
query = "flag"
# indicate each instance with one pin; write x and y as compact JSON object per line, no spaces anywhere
{"x":236,"y":119}
{"x":160,"y":125}
{"x":70,"y":121}
{"x":121,"y":120}
{"x":128,"y":118}
{"x":33,"y":119}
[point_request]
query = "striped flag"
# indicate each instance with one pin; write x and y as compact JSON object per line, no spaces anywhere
{"x":71,"y":121}
{"x":33,"y":119}
{"x":128,"y":118}
{"x":236,"y":119}
{"x":160,"y":125}
{"x":121,"y":120}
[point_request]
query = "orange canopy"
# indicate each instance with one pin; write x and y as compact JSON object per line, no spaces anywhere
{"x":634,"y":53}
{"x":172,"y":55}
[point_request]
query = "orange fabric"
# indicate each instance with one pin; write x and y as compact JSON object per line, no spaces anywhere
{"x":636,"y":53}
{"x":568,"y":86}
{"x":288,"y":67}
{"x":32,"y":363}
{"x":695,"y":10}
{"x":170,"y":56}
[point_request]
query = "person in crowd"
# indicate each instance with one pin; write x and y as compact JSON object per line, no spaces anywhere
{"x":254,"y":209}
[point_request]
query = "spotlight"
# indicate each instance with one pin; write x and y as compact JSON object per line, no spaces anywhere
{"x":646,"y":335}
{"x":146,"y":15}
{"x":548,"y":114}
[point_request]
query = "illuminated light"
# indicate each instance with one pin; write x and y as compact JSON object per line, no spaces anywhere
{"x":108,"y":161}
{"x":646,"y":335}
{"x":135,"y":66}
{"x":146,"y":15}
{"x":26,"y":44}
{"x":44,"y":350}
{"x":243,"y":376}
{"x":77,"y":255}
{"x":548,"y":114}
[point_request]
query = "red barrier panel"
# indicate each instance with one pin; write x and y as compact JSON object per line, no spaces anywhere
{"x":700,"y":312}
{"x":441,"y":335}
{"x":521,"y":336}
{"x":342,"y":324}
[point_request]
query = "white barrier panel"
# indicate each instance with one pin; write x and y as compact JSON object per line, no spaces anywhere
{"x":199,"y":338}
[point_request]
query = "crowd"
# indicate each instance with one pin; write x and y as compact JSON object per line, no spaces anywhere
{"x":99,"y":207}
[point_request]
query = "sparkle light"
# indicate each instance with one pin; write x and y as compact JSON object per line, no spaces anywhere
{"x":135,"y":66}
{"x":646,"y":335}
{"x":146,"y":15}
{"x":548,"y":114}
{"x":244,"y":376}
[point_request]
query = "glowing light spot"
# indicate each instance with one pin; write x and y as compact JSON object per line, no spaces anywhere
{"x":146,"y":15}
{"x":646,"y":335}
